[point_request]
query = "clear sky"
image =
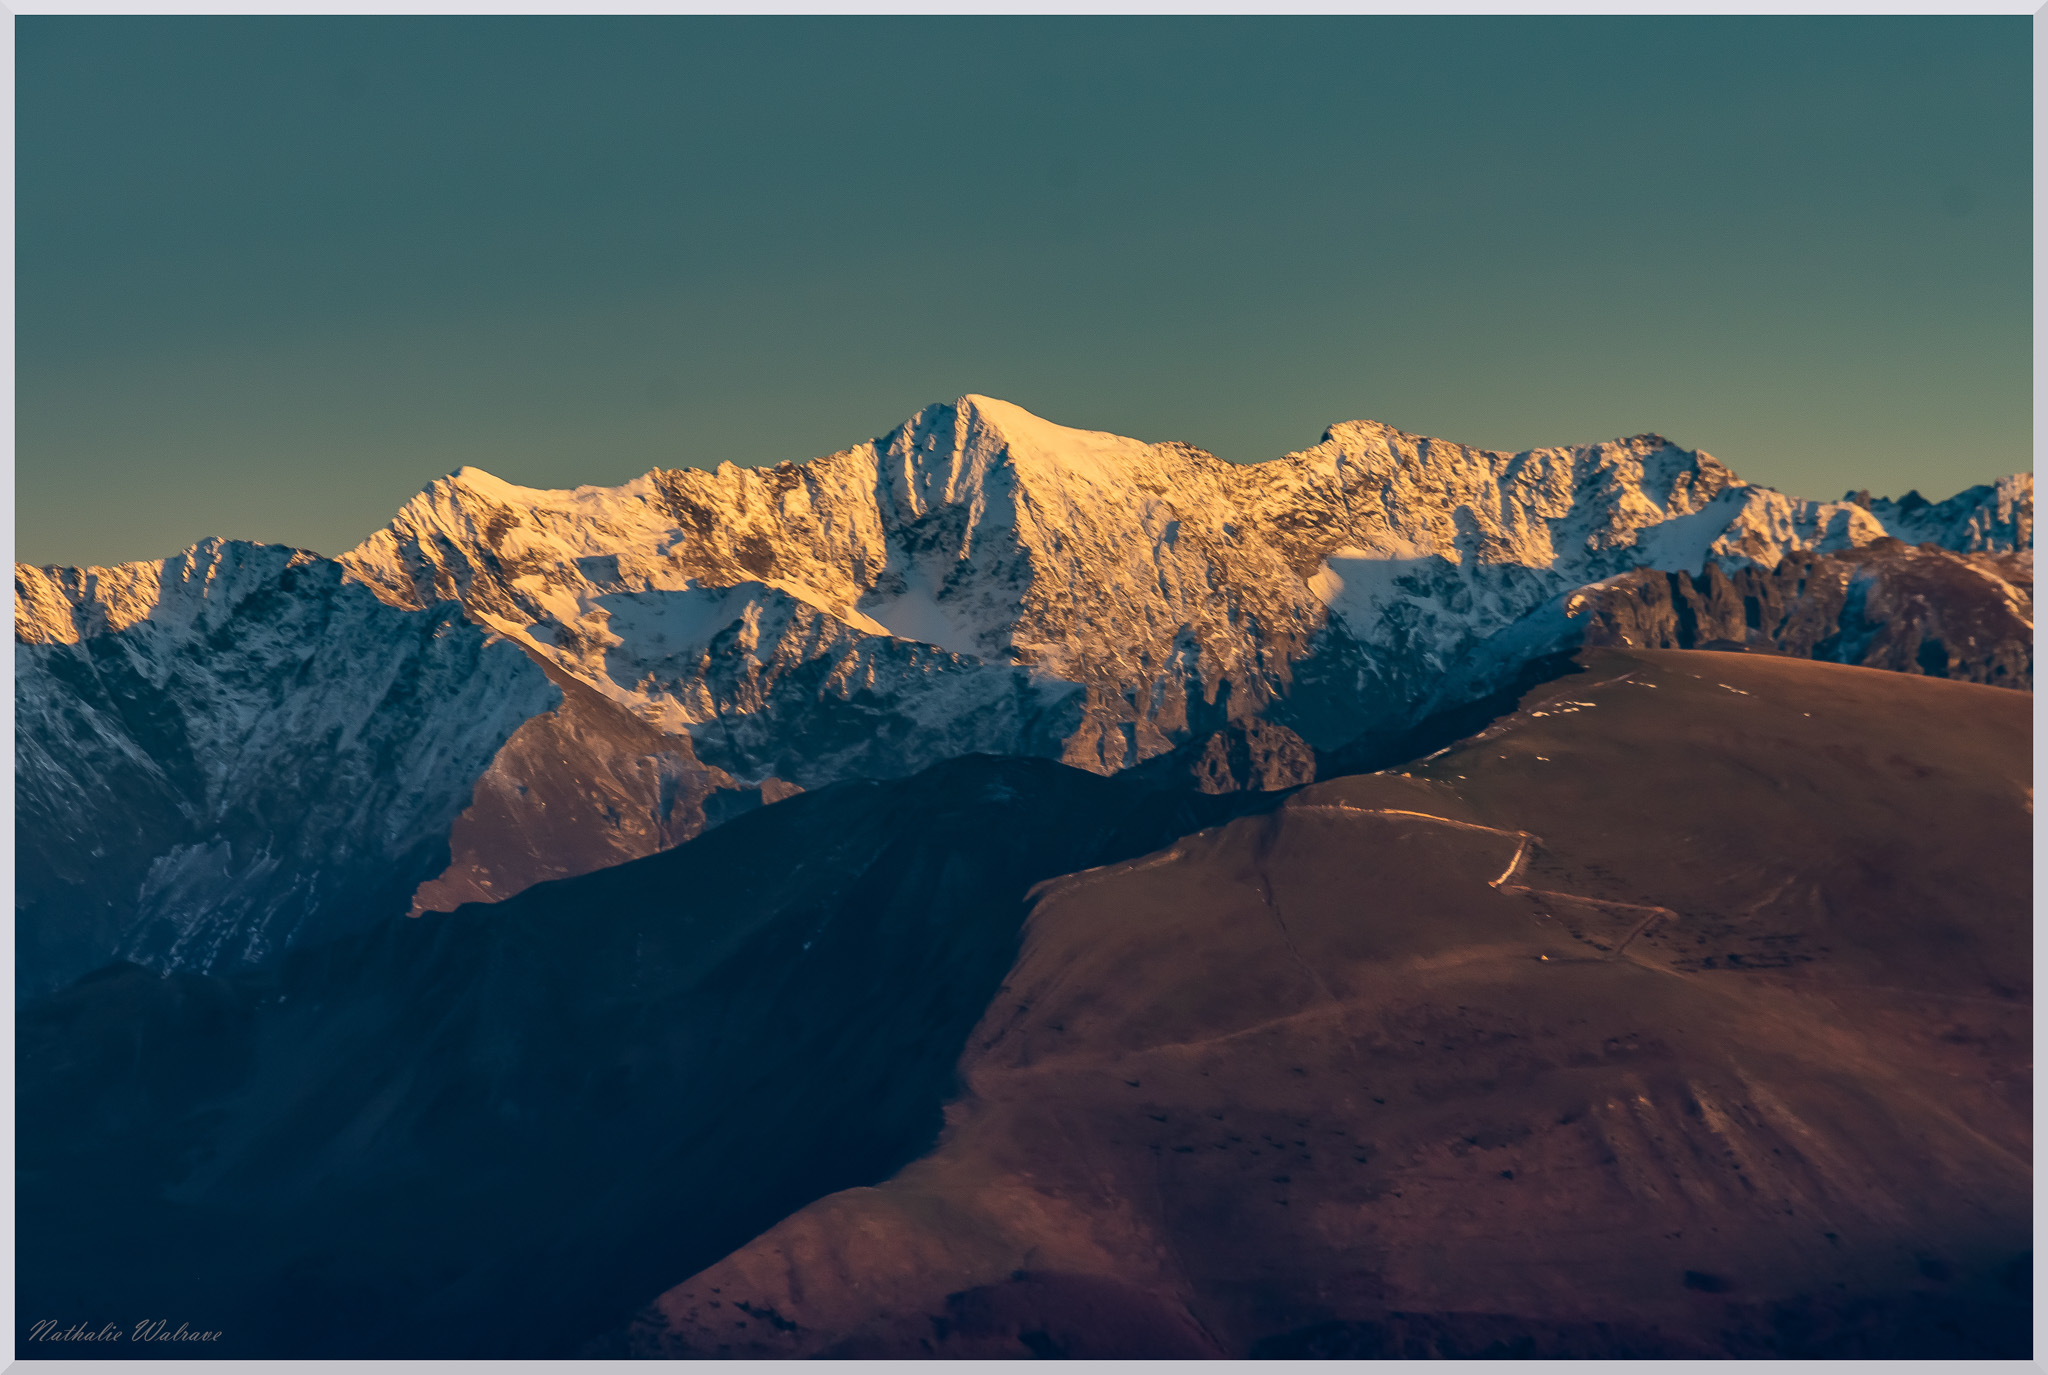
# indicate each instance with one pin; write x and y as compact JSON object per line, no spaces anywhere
{"x":275,"y":275}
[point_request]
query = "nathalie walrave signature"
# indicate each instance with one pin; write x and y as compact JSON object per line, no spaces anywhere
{"x":148,"y":1330}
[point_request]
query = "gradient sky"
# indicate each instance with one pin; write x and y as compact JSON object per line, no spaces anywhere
{"x":274,"y":275}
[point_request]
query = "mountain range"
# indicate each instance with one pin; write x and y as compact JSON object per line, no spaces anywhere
{"x":247,"y":746}
{"x":1003,"y":890}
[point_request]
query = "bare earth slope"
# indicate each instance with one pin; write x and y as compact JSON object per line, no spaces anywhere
{"x":1684,"y":1012}
{"x":576,"y":789}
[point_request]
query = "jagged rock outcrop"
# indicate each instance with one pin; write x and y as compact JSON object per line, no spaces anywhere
{"x":1241,"y":756}
{"x":1984,"y":519}
{"x":1887,"y":605}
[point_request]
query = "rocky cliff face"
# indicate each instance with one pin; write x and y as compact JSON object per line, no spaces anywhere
{"x":1887,"y":605}
{"x":242,"y":743}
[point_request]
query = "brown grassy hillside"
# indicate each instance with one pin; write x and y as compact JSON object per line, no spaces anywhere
{"x":1686,"y":1011}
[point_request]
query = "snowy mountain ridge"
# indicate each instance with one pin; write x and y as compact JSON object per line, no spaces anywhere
{"x":243,"y":745}
{"x":979,"y":561}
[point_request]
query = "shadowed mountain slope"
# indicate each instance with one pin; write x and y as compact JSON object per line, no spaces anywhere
{"x":1887,"y":605}
{"x":232,"y":750}
{"x":1684,"y":1012}
{"x":495,"y":1132}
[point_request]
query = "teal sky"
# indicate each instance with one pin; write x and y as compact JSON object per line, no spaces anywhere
{"x":274,"y":275}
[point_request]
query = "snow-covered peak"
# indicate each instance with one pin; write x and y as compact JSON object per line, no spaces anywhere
{"x":523,"y":528}
{"x":1987,"y":518}
{"x":979,"y":452}
{"x":589,"y":499}
{"x":202,"y":585}
{"x":1095,"y":455}
{"x":494,"y":488}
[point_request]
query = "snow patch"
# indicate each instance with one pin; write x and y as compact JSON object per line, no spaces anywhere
{"x":917,"y":613}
